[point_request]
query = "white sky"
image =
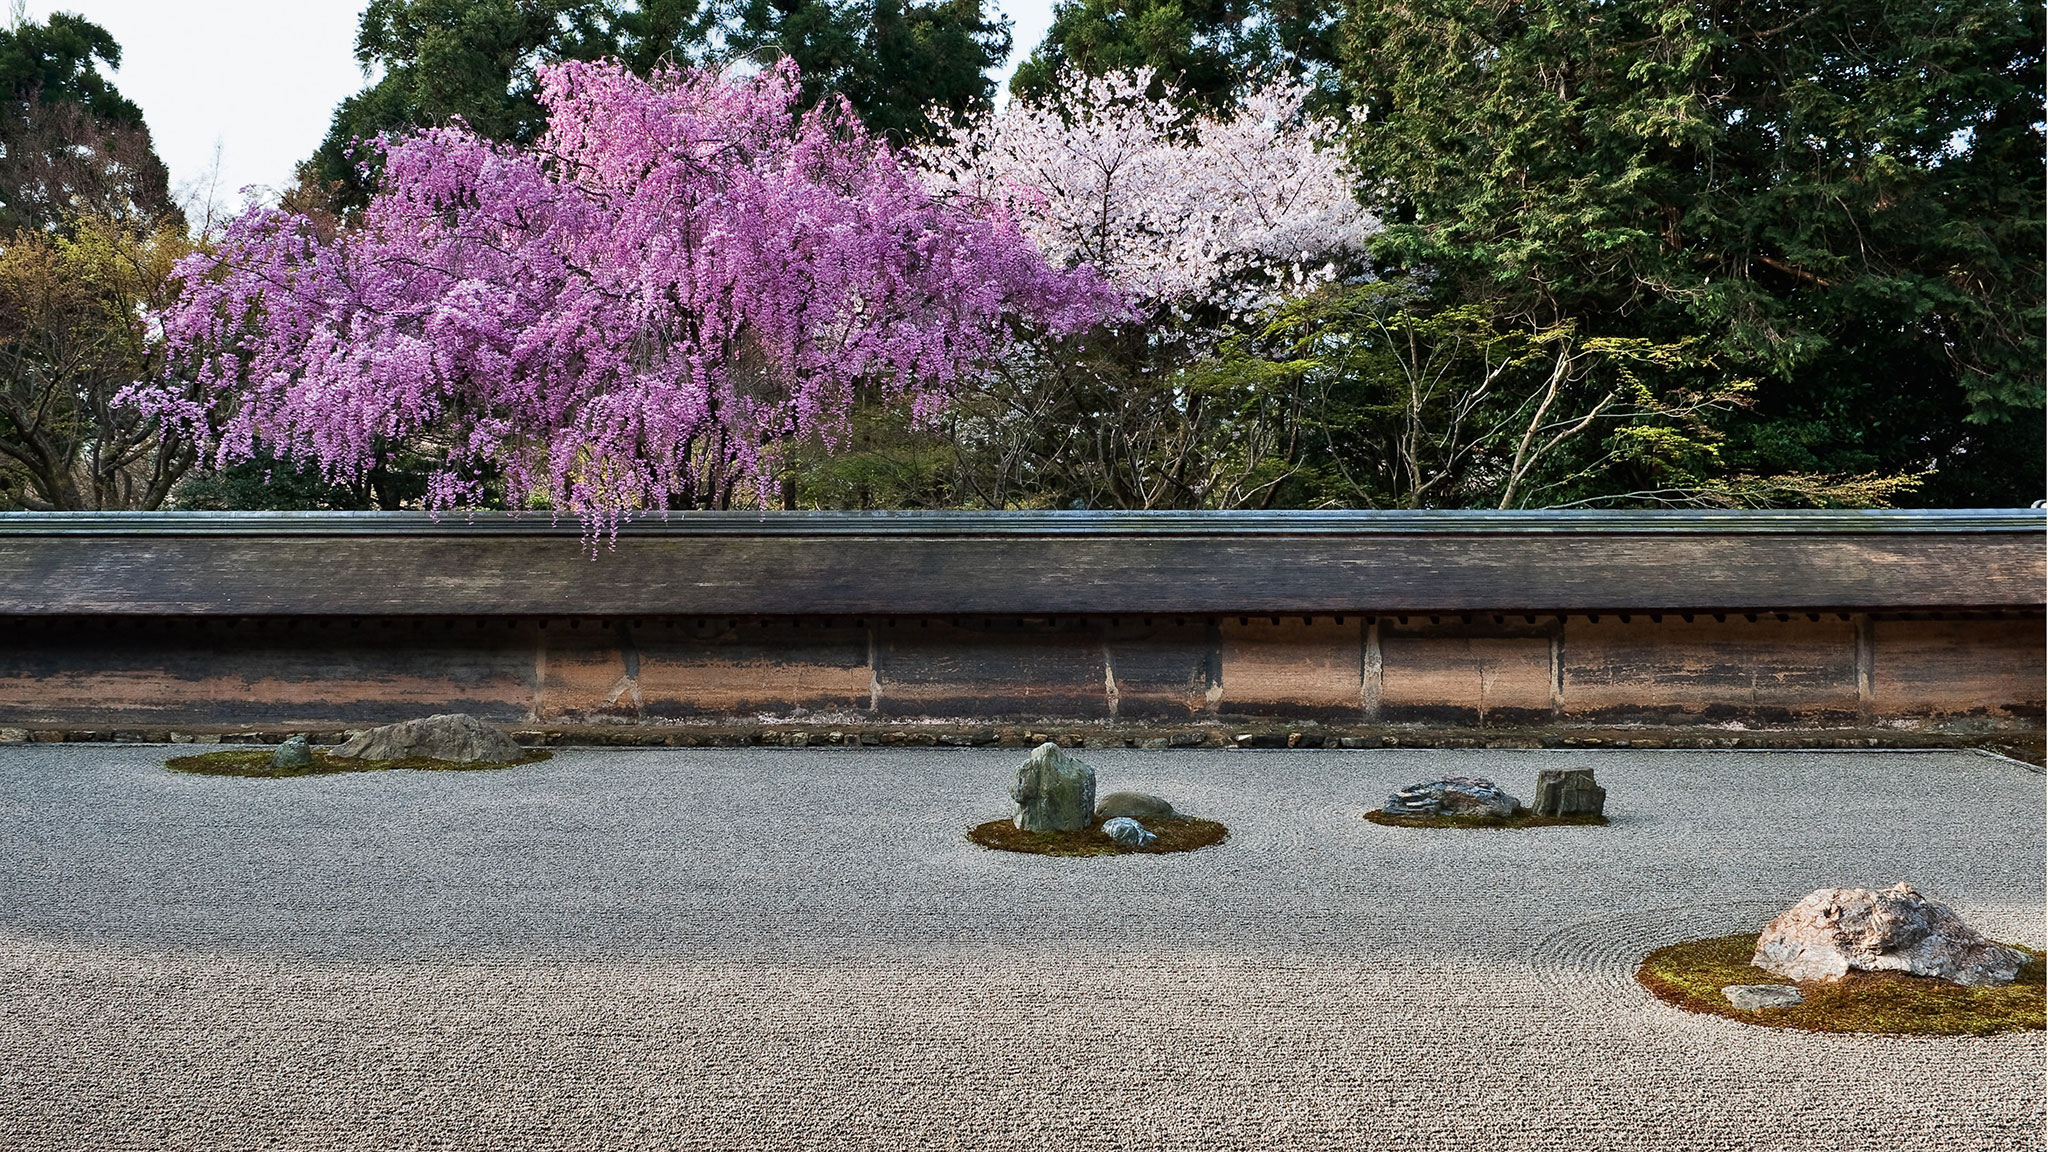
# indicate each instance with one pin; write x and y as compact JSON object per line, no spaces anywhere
{"x":259,"y":79}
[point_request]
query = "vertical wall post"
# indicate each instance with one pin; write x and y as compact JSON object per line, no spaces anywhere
{"x":874,"y":672}
{"x":1557,"y":669}
{"x":1866,"y":667}
{"x":1372,"y":682}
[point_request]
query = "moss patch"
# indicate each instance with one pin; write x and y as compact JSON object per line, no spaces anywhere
{"x":1173,"y":836}
{"x":256,"y":762}
{"x":1691,"y":976}
{"x":1523,"y":818}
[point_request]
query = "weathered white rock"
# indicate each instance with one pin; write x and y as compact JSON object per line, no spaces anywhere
{"x":452,"y":736}
{"x":1452,"y":796}
{"x":295,"y":752}
{"x":1054,"y":792}
{"x":1127,"y":832}
{"x":1835,"y":930}
{"x":1753,"y":997}
{"x":1136,"y":805}
{"x":13,"y":735}
{"x":1567,"y":792}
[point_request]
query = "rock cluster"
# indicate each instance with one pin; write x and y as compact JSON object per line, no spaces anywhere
{"x":1567,"y":792}
{"x":1127,"y":832}
{"x":1054,"y":792}
{"x":1836,"y":930}
{"x":1452,"y":796}
{"x":453,"y":736}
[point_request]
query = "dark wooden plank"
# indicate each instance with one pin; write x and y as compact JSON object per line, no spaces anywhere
{"x":1264,"y":564}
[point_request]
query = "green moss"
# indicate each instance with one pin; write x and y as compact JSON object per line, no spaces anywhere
{"x":1523,"y":818}
{"x":1691,"y":976}
{"x":256,"y":762}
{"x":1173,"y":836}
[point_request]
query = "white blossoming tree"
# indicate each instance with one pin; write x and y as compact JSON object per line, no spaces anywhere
{"x":1220,"y":210}
{"x":1205,"y":222}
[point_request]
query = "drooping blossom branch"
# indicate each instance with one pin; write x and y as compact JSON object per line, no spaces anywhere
{"x":682,"y":273}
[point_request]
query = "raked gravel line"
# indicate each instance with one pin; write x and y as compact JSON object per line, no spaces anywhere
{"x":798,"y":949}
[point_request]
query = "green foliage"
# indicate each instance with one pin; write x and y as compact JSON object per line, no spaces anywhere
{"x":1127,"y":419}
{"x":59,"y":61}
{"x":268,"y":484}
{"x":892,"y":60}
{"x":70,"y":143}
{"x":76,"y":328}
{"x":1413,"y":404}
{"x":476,"y":59}
{"x":1204,"y":48}
{"x":1840,"y":200}
{"x":886,"y":460}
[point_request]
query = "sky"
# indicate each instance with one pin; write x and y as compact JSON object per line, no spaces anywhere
{"x":254,"y":82}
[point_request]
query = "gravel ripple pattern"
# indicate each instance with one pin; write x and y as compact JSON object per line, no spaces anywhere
{"x":710,"y":949}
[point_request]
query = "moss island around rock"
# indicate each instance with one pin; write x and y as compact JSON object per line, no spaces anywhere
{"x":1691,"y":976}
{"x":1522,"y":818}
{"x":257,"y":761}
{"x":1179,"y":834}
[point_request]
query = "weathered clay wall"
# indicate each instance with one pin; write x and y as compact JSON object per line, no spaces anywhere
{"x":1952,"y":671}
{"x":1931,"y":620}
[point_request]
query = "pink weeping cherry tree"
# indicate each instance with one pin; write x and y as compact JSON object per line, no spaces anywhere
{"x":684,"y":273}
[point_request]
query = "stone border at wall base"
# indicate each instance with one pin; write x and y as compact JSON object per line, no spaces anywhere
{"x":2028,"y":747}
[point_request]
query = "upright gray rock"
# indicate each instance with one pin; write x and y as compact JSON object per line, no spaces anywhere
{"x":1897,"y":930}
{"x":295,"y":752}
{"x":1054,"y":792}
{"x":1568,"y":792}
{"x":453,"y":736}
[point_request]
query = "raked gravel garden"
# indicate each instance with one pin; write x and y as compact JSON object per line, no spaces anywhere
{"x":802,"y":948}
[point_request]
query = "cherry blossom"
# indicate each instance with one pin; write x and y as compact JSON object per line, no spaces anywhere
{"x":685,"y":272}
{"x":1226,"y":209}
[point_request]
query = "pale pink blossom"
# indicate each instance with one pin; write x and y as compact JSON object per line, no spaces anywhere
{"x":684,"y":272}
{"x":1228,"y":209}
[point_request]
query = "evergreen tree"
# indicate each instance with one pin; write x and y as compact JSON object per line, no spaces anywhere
{"x":476,"y":60}
{"x":1839,"y":199}
{"x":70,"y":143}
{"x":893,"y":61}
{"x":1202,"y":49}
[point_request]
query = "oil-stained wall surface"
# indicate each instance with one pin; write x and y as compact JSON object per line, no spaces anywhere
{"x":1479,"y":670}
{"x":1922,"y":619}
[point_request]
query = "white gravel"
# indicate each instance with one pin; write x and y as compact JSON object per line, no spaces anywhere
{"x":798,"y":949}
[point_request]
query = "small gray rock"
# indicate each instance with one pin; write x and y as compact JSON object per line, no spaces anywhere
{"x":1568,"y":792}
{"x":1136,"y":805}
{"x":1054,"y":792}
{"x":1452,"y":796}
{"x":1752,"y":997}
{"x":293,"y":753}
{"x":453,"y":736}
{"x":1127,"y":832}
